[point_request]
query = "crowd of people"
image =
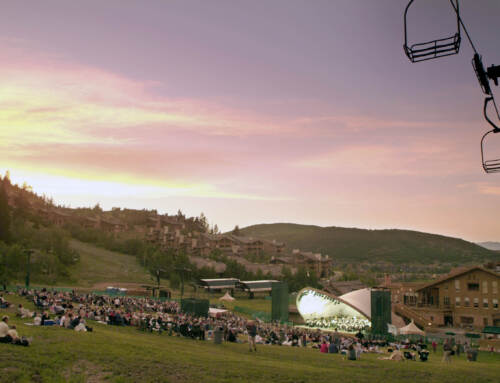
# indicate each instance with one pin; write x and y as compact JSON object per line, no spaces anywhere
{"x":73,"y":311}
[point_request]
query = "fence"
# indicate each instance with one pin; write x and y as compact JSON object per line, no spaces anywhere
{"x":58,"y":289}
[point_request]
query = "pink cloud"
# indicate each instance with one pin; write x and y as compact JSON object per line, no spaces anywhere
{"x":424,"y":157}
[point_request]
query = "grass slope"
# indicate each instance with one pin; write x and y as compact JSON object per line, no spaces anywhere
{"x":99,"y":266}
{"x":127,"y":355}
{"x":395,"y":246}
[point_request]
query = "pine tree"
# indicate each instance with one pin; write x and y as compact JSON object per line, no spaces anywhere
{"x":4,"y":215}
{"x":236,"y":231}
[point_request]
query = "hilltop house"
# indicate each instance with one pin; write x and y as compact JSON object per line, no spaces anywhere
{"x":320,"y":264}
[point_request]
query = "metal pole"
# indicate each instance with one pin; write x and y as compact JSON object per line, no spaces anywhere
{"x":28,"y":263}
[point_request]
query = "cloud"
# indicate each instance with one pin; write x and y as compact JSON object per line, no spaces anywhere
{"x":421,"y":158}
{"x":55,"y":101}
{"x":484,"y":188}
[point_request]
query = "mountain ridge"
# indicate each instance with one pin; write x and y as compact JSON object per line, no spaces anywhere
{"x":490,"y":245}
{"x":381,"y":245}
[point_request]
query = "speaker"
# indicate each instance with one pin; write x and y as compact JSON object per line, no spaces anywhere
{"x":279,"y":295}
{"x":381,"y":310}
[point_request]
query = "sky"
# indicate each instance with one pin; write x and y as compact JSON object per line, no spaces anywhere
{"x":303,"y":111}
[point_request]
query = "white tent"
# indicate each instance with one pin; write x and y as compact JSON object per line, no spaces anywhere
{"x":411,"y":329}
{"x":216,"y":312}
{"x":226,"y":297}
{"x":391,"y":329}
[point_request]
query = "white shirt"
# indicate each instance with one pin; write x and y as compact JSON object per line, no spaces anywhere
{"x":4,"y":328}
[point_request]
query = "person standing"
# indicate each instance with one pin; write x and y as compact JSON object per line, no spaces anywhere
{"x":252,"y":332}
{"x":434,"y":346}
{"x":446,"y":352}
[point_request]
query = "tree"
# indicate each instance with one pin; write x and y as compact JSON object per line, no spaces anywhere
{"x":22,"y":205}
{"x":204,"y":222}
{"x":4,"y":215}
{"x":27,"y":187}
{"x":6,"y":178}
{"x":236,"y":231}
{"x":214,"y":230}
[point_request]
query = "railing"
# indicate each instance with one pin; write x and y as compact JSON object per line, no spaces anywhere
{"x":409,"y":313}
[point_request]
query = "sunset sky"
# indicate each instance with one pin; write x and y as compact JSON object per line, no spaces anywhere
{"x":251,"y":111}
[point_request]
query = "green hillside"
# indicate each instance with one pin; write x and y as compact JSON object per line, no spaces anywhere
{"x":102,"y":266}
{"x":352,"y":245}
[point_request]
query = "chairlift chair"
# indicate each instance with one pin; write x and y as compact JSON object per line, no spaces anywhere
{"x":436,"y":48}
{"x":489,"y":165}
{"x":481,"y":74}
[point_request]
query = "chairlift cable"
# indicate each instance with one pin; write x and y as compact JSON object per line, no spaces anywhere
{"x":463,"y":26}
{"x":473,"y":48}
{"x":496,"y":108}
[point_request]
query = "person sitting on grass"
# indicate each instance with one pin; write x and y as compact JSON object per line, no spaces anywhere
{"x":9,"y":335}
{"x":37,"y":321}
{"x":324,"y":347}
{"x":332,"y":347}
{"x":23,"y":313}
{"x":45,"y":317}
{"x":231,"y":336}
{"x":3,"y":303}
{"x":4,"y":329}
{"x":351,"y":352}
{"x":16,"y":339}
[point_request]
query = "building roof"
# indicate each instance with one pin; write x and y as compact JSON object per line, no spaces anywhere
{"x":456,"y":273}
{"x":344,"y":287}
{"x":359,"y":299}
{"x":273,"y":242}
{"x":220,"y":283}
{"x":246,"y":240}
{"x":254,"y":286}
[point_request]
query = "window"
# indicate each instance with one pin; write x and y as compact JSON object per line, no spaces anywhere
{"x":485,"y":321}
{"x":476,"y":302}
{"x":457,"y":301}
{"x":467,"y":320}
{"x":473,"y":286}
{"x":466,"y":302}
{"x":457,"y":284}
{"x":495,"y":303}
{"x":485,"y":287}
{"x":485,"y":303}
{"x":494,"y":287}
{"x":446,"y":301}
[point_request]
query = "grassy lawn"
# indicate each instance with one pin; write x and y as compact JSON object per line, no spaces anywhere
{"x":100,"y":265}
{"x":127,"y":355}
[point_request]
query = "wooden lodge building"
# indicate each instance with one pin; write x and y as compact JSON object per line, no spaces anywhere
{"x":466,"y":298}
